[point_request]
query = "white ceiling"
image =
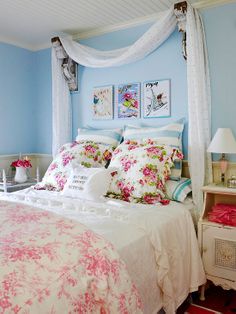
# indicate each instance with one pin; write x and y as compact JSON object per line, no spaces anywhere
{"x":32,"y":23}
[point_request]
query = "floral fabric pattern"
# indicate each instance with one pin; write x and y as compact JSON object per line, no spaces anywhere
{"x":144,"y":167}
{"x":51,"y":264}
{"x":86,"y":153}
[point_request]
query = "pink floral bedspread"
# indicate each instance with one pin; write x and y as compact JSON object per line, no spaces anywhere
{"x":50,"y":264}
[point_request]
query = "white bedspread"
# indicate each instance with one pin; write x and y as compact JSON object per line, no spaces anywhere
{"x":158,"y":243}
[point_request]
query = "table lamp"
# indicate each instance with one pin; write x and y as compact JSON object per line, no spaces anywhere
{"x":223,"y":143}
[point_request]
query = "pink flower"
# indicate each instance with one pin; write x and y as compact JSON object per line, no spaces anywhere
{"x":153,"y":176}
{"x":127,"y":166}
{"x":66,"y":159}
{"x":4,"y":303}
{"x":127,"y":96}
{"x":126,"y":193}
{"x":150,"y":142}
{"x":25,"y":163}
{"x":165,"y":202}
{"x":160,"y":185}
{"x":90,"y":148}
{"x":178,"y":154}
{"x":141,"y":182}
{"x":153,"y":149}
{"x":53,"y":166}
{"x":135,"y":104}
{"x":120,"y":184}
{"x":117,"y":151}
{"x":61,"y":181}
{"x":132,"y":146}
{"x":146,"y":171}
{"x":151,"y":199}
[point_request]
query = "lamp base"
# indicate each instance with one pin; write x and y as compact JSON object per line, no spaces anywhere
{"x":223,"y":167}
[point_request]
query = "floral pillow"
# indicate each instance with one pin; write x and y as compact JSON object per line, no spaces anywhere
{"x":87,"y":153}
{"x":144,"y":168}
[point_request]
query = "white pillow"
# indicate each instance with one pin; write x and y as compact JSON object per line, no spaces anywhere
{"x":109,"y":137}
{"x":88,"y":183}
{"x":178,"y":190}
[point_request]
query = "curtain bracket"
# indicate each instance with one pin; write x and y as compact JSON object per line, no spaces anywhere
{"x":180,"y":10}
{"x":69,"y":67}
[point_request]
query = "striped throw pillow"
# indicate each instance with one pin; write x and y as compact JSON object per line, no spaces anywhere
{"x":178,"y":190}
{"x":110,"y":137}
{"x":170,"y":134}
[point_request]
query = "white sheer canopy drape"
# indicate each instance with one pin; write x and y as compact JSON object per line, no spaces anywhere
{"x":147,"y":43}
{"x":61,"y":108}
{"x":198,"y":86}
{"x":199,"y":105}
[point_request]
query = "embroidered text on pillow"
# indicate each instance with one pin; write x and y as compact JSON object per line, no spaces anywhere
{"x":86,"y":182}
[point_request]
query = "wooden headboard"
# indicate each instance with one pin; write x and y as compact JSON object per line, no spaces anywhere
{"x":185,"y":169}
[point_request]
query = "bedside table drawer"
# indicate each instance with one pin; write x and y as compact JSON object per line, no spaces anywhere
{"x":219,"y":251}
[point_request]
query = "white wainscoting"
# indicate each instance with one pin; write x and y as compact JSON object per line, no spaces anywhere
{"x":41,"y":161}
{"x":231,"y":171}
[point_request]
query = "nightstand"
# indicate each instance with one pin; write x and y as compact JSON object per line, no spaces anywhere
{"x":217,"y":241}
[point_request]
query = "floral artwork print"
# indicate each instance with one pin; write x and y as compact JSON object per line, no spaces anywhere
{"x":51,"y":264}
{"x":87,"y":153}
{"x":128,"y":101}
{"x":156,"y":99}
{"x":103,"y":103}
{"x":144,"y":167}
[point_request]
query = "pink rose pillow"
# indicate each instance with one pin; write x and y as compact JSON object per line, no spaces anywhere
{"x":144,"y":168}
{"x":87,"y":153}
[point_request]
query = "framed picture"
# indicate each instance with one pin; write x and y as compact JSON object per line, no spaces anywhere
{"x":128,"y":101}
{"x":156,"y":99}
{"x":102,"y":106}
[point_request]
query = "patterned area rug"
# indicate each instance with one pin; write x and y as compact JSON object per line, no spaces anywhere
{"x":217,"y":300}
{"x":196,"y":309}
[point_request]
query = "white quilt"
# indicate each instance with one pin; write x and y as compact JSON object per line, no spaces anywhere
{"x":158,"y":243}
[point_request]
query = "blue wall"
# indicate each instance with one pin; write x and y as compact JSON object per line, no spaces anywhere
{"x":220,"y":26}
{"x":25,"y":100}
{"x":25,"y":108}
{"x":43,"y":101}
{"x":17,"y":112}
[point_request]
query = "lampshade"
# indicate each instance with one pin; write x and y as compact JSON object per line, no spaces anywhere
{"x":223,"y":142}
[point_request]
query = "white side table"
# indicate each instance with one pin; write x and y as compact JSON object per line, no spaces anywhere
{"x":13,"y":187}
{"x":217,"y":241}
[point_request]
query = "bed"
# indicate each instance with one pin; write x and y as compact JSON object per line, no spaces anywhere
{"x":132,"y":251}
{"x":158,"y":245}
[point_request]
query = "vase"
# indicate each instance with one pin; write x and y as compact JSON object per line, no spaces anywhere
{"x":20,"y":175}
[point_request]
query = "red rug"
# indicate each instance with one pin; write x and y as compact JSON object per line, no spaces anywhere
{"x":196,"y":309}
{"x":217,"y":301}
